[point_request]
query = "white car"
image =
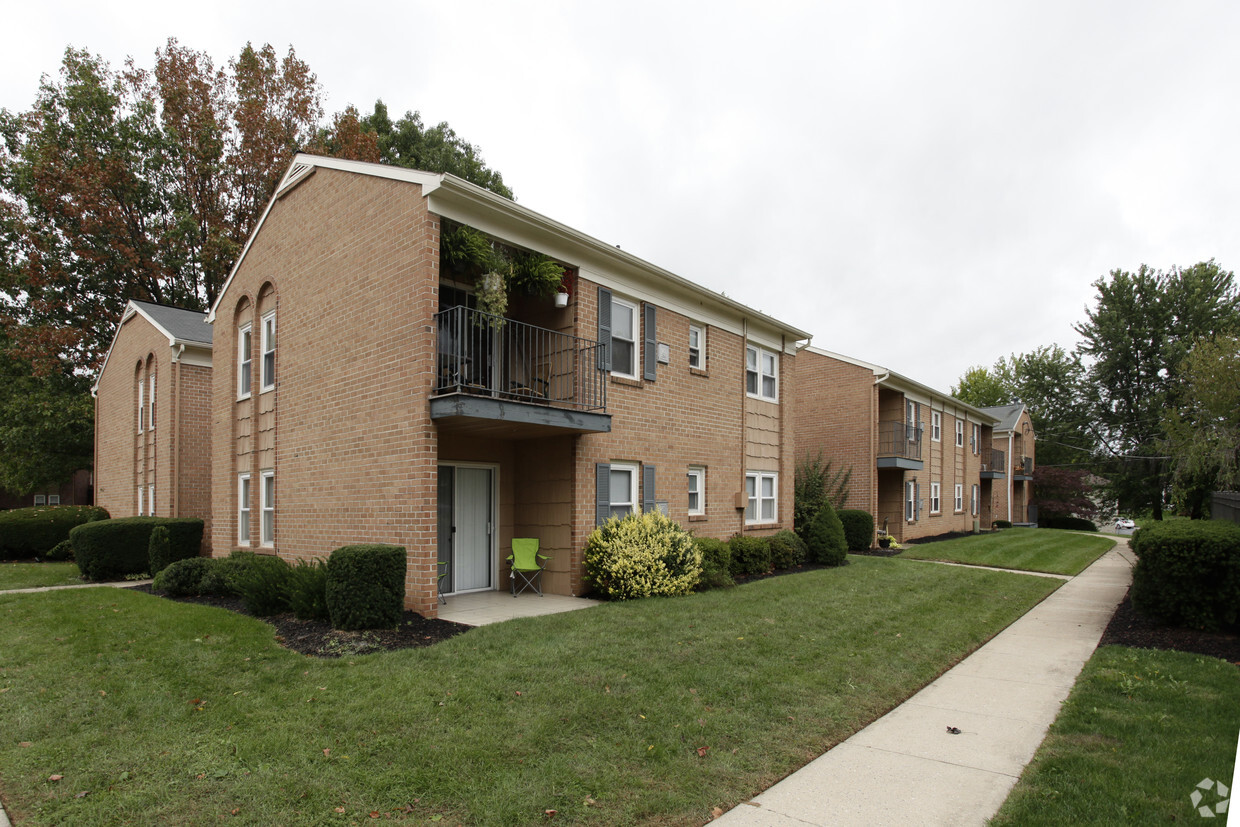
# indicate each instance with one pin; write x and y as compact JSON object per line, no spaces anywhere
{"x":1125,"y":523}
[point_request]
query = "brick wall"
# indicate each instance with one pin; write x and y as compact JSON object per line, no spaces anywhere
{"x":349,"y":265}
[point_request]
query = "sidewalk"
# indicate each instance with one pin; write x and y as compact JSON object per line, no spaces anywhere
{"x":906,"y":768}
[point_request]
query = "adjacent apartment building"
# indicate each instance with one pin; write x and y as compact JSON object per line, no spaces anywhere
{"x":152,"y":415}
{"x":1014,"y":447}
{"x":922,"y":462}
{"x":365,"y":394}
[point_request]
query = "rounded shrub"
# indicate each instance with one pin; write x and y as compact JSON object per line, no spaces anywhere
{"x":60,"y":552}
{"x":858,"y":528}
{"x":750,"y":555}
{"x":787,"y":550}
{"x":641,"y":555}
{"x":716,"y":563}
{"x":1188,"y":574}
{"x":366,"y":586}
{"x":183,"y":578}
{"x":33,"y":532}
{"x":1070,"y":523}
{"x":825,"y":538}
{"x":1001,"y":524}
{"x":111,"y":549}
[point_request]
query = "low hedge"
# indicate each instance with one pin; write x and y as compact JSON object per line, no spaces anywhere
{"x":33,"y":532}
{"x":716,"y":563}
{"x":787,"y":550}
{"x":366,"y":586}
{"x":750,"y":555}
{"x":111,"y":549}
{"x":1001,"y":524}
{"x":858,"y":528}
{"x":1188,"y":574}
{"x":1070,"y":523}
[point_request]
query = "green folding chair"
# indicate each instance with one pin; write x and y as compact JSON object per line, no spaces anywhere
{"x":526,"y":564}
{"x":443,"y":572}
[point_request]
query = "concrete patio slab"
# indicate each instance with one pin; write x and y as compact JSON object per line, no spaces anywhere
{"x":482,"y":608}
{"x":906,"y":768}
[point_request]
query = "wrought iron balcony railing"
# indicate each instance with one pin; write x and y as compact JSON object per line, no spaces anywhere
{"x":899,"y":439}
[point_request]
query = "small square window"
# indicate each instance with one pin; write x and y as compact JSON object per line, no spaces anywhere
{"x":40,"y":499}
{"x":761,"y":373}
{"x":53,"y":499}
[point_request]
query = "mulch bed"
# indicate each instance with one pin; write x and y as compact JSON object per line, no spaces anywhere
{"x":1127,"y":628}
{"x":318,"y":639}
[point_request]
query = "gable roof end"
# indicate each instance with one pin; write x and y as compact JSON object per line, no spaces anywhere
{"x":180,"y":326}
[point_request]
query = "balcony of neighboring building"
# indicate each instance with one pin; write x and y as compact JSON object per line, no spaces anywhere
{"x":899,"y":445}
{"x":992,"y":464}
{"x":1022,"y":468}
{"x":503,"y":378}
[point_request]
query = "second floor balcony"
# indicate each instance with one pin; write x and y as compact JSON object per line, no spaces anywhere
{"x":1022,"y":468}
{"x":899,"y":446}
{"x":992,"y":464}
{"x":503,"y":378}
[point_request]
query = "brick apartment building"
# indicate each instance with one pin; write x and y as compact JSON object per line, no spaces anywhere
{"x":152,"y":415}
{"x":1014,"y":443}
{"x":363,"y":397}
{"x":922,"y":462}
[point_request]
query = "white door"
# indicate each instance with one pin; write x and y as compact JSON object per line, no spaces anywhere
{"x":472,"y":515}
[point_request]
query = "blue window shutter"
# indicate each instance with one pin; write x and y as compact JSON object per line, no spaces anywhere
{"x":917,"y":500}
{"x":648,"y":503}
{"x":652,"y":343}
{"x":602,"y":492}
{"x":604,"y":328}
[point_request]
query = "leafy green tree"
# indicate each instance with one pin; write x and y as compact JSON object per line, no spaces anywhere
{"x":985,"y":388}
{"x":409,"y":143}
{"x":1203,"y":431}
{"x":47,"y":424}
{"x":1134,"y":341}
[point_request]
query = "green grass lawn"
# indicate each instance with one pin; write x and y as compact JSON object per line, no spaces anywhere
{"x":31,"y":575}
{"x":651,"y":711}
{"x":1141,"y":728}
{"x":1028,"y":549}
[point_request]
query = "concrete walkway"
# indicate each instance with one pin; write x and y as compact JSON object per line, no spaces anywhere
{"x":906,"y":768}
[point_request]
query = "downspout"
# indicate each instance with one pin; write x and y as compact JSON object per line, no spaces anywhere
{"x":1008,"y":477}
{"x":878,"y":380}
{"x":173,"y":435}
{"x":744,"y":410}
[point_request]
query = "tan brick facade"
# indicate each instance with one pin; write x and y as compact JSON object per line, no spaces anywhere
{"x":159,"y":451}
{"x":347,"y":260}
{"x":857,"y":414}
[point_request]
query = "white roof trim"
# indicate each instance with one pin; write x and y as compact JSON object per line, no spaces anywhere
{"x":133,"y":309}
{"x":889,"y":378}
{"x":456,"y":198}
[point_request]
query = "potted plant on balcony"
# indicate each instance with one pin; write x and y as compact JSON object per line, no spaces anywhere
{"x":496,"y":269}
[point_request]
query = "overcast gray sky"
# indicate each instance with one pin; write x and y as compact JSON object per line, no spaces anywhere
{"x":928,"y":186}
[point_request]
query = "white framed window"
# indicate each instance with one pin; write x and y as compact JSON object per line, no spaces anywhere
{"x":40,"y":499}
{"x":243,"y":510}
{"x":959,"y":498}
{"x":269,"y":352}
{"x":150,"y":419}
{"x":762,"y":490}
{"x":141,"y":405}
{"x":267,"y":534}
{"x":141,"y":501}
{"x":622,"y":487}
{"x":936,"y":426}
{"x":626,"y":349}
{"x":245,"y":360}
{"x":697,"y":346}
{"x":150,"y":499}
{"x":936,"y":501}
{"x":910,"y":500}
{"x":53,"y":499}
{"x":959,"y":433}
{"x":977,"y":438}
{"x":761,"y":373}
{"x":697,"y":489}
{"x":910,"y":413}
{"x":975,"y":500}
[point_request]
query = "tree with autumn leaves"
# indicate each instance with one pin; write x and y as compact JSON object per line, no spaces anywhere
{"x":145,"y":184}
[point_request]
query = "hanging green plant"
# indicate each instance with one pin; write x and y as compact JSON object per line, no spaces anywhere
{"x":467,"y":251}
{"x":535,"y":274}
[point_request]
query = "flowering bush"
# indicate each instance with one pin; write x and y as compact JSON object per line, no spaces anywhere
{"x":641,"y":555}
